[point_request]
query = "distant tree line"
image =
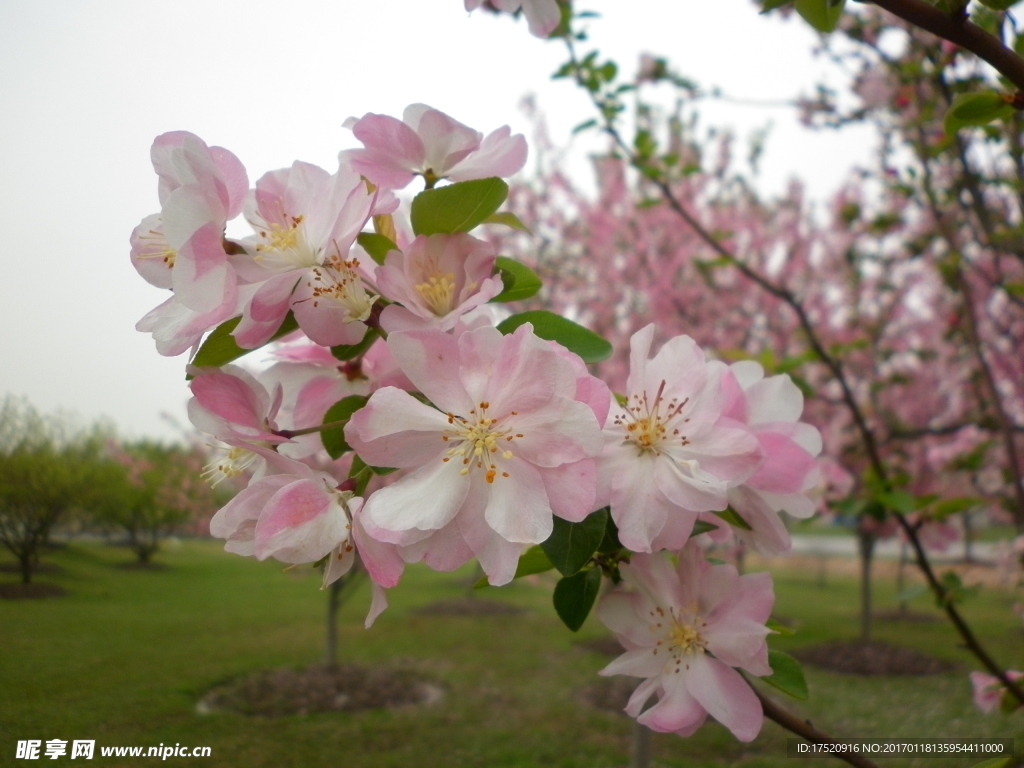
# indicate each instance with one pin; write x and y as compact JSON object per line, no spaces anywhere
{"x":54,"y":472}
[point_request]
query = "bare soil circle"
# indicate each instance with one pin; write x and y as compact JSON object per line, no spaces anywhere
{"x":320,"y":688}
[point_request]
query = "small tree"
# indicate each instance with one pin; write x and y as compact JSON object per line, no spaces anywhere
{"x":46,"y":469}
{"x":150,"y":491}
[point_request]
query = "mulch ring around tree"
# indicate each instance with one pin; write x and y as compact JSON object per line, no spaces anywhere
{"x":33,"y":591}
{"x":607,"y":693}
{"x":873,"y":659}
{"x":320,"y":688}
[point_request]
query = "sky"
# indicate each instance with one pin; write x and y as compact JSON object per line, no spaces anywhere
{"x":85,"y":86}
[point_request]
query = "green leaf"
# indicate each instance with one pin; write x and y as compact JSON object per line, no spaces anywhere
{"x":350,"y":351}
{"x":575,"y":595}
{"x":534,"y":560}
{"x":220,"y":348}
{"x":376,"y":245}
{"x":359,"y":465}
{"x":610,"y":542}
{"x":787,"y":675}
{"x":899,"y":501}
{"x":571,"y":545}
{"x":999,"y":5}
{"x":732,"y":517}
{"x":508,"y":219}
{"x":585,"y":343}
{"x":955,"y":590}
{"x":520,"y":281}
{"x":823,"y":15}
{"x":948,"y":507}
{"x":778,"y":628}
{"x":978,"y":108}
{"x":771,"y":5}
{"x":334,"y":438}
{"x":702,"y":526}
{"x":457,"y":207}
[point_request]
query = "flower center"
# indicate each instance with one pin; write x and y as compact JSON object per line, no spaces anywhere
{"x":285,"y":248}
{"x":478,"y":442}
{"x":680,"y":632}
{"x":338,"y":282}
{"x":154,"y":246}
{"x":653,"y":426}
{"x":233,"y":463}
{"x":438,"y":293}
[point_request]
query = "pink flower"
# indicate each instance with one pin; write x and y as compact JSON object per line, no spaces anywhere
{"x":296,"y":514}
{"x":437,"y":279}
{"x":507,"y":445}
{"x":234,"y":407}
{"x":542,"y":15}
{"x":668,"y":455}
{"x":684,"y":628}
{"x":989,"y":691}
{"x":771,"y":408}
{"x":201,"y":189}
{"x":306,"y":221}
{"x":428,"y":143}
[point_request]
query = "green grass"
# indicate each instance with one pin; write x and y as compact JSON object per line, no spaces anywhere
{"x":123,"y":658}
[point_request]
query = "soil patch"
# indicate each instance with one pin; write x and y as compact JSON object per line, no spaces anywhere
{"x":870,"y":659}
{"x":135,"y":565}
{"x":469,"y":606}
{"x":342,"y":688}
{"x":37,"y":568}
{"x":31,"y":591}
{"x":611,"y":693}
{"x":911,"y":617}
{"x":606,"y":646}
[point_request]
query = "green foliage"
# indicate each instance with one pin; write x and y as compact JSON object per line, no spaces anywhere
{"x":976,"y":108}
{"x":334,"y":437}
{"x":999,"y":5}
{"x":457,"y":207}
{"x":574,"y":596}
{"x":823,"y":15}
{"x":378,"y":246}
{"x":507,"y":218}
{"x":220,"y":348}
{"x":149,"y":490}
{"x":574,"y":337}
{"x":787,"y":675}
{"x":571,"y":545}
{"x":48,"y":468}
{"x":520,"y":281}
{"x":352,"y":351}
{"x":955,"y":591}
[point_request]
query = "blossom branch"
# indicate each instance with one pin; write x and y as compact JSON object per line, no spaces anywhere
{"x":957,"y":28}
{"x":607,"y":109}
{"x":808,"y":732}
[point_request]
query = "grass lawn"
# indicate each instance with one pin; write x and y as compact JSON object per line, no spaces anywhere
{"x":124,"y":657}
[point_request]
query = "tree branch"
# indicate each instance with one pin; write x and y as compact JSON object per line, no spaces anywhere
{"x":961,"y":30}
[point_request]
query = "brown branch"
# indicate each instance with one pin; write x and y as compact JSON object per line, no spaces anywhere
{"x":808,"y":732}
{"x":960,"y":30}
{"x":833,"y":364}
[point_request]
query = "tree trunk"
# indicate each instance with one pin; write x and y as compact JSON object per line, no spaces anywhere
{"x":333,"y":605}
{"x":25,"y":563}
{"x":641,"y":757}
{"x":866,"y":542}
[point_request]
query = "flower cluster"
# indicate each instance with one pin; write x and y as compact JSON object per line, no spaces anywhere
{"x":399,"y":423}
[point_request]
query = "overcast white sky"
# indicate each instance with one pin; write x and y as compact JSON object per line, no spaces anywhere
{"x":85,"y":85}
